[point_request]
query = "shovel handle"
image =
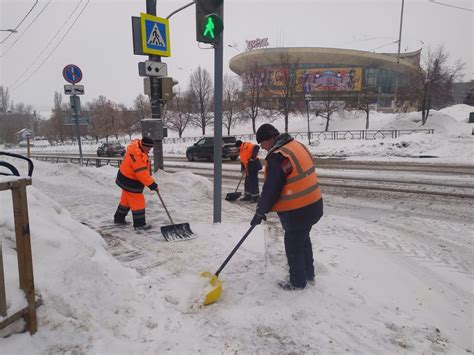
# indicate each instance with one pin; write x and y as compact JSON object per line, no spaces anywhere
{"x":164,"y":206}
{"x":234,"y":250}
{"x":241,"y":177}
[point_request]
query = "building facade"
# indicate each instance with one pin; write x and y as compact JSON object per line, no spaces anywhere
{"x":313,"y":72}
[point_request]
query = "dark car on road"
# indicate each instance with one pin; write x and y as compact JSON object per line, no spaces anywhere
{"x":204,"y":149}
{"x":110,"y":149}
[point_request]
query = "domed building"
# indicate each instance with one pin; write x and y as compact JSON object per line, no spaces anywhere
{"x":345,"y":73}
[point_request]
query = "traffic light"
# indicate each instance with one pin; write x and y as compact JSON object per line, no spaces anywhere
{"x":167,"y":84}
{"x":209,"y":24}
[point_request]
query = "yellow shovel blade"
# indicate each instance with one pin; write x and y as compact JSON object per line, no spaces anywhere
{"x":213,"y":295}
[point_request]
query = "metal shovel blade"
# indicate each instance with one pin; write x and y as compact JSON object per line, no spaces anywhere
{"x":177,"y":232}
{"x":216,"y":284}
{"x":232,"y":196}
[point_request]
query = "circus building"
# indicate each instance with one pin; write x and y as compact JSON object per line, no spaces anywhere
{"x":315,"y":72}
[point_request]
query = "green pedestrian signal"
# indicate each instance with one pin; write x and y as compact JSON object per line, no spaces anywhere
{"x":209,"y":24}
{"x":213,"y":27}
{"x":209,"y":31}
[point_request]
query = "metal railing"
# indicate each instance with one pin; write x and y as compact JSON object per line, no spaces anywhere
{"x":363,"y":134}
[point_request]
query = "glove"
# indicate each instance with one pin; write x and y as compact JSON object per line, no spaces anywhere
{"x":153,"y":187}
{"x":257,"y":219}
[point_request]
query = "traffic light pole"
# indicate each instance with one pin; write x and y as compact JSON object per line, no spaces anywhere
{"x":155,"y":96}
{"x":218,"y":85}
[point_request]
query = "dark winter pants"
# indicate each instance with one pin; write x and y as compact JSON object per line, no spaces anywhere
{"x":251,"y":188}
{"x":299,"y":253}
{"x":135,"y":202}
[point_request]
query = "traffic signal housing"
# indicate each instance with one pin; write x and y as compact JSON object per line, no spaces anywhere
{"x":209,"y":24}
{"x":167,"y":84}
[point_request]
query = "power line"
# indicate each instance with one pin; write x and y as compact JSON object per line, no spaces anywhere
{"x":24,"y":18}
{"x":385,"y":45}
{"x":26,"y":29}
{"x":54,"y":49}
{"x":456,"y":7}
{"x":47,"y":45}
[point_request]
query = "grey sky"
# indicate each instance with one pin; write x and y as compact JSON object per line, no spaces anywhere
{"x":100,"y":42}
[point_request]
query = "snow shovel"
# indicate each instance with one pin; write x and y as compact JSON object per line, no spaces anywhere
{"x":232,"y":196}
{"x":175,"y":232}
{"x":216,"y":284}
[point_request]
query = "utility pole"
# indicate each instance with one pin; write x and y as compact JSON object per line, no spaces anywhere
{"x":155,"y":95}
{"x":307,"y":98}
{"x":398,"y":55}
{"x":218,"y":85}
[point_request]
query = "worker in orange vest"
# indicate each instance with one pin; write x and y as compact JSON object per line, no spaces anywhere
{"x":132,"y":177}
{"x":250,"y":163}
{"x":291,"y":189}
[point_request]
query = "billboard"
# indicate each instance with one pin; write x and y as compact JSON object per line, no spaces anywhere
{"x":329,"y":79}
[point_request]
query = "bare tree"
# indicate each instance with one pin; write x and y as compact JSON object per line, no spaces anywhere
{"x":254,"y":82}
{"x":58,"y":115}
{"x":287,"y":88}
{"x":180,"y":112}
{"x":4,"y":100}
{"x":232,"y":101}
{"x":433,"y":81}
{"x":104,"y":116}
{"x":363,"y":102}
{"x":19,"y":116}
{"x":327,"y":106}
{"x":200,"y":90}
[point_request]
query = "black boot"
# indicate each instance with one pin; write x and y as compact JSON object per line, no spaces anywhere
{"x":246,"y":198}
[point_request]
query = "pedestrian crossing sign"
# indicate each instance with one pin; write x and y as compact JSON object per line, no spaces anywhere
{"x":155,"y":35}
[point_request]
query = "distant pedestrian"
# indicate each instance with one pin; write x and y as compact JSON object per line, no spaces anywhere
{"x":291,"y":189}
{"x":250,"y":163}
{"x":132,"y":177}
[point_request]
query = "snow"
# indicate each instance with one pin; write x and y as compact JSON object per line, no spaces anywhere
{"x":394,"y":274}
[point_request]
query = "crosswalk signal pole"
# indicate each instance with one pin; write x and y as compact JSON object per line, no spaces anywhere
{"x":155,"y":98}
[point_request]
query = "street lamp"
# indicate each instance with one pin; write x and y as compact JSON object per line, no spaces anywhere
{"x":235,"y":47}
{"x":307,"y":99}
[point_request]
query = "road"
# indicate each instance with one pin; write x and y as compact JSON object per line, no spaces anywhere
{"x":450,"y":180}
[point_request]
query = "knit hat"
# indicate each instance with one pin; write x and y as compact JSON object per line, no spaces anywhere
{"x":147,"y":142}
{"x":238,"y":143}
{"x":265,"y":132}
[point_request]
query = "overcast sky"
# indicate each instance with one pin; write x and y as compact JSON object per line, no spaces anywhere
{"x":100,"y":41}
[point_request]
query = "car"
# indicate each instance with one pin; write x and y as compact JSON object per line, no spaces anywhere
{"x":110,"y":149}
{"x":204,"y":149}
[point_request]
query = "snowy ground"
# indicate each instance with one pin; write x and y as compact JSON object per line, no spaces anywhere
{"x":394,"y":273}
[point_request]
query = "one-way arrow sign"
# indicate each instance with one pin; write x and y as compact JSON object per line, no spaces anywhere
{"x":74,"y":89}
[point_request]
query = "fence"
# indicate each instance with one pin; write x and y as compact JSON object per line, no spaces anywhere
{"x":367,"y":134}
{"x":25,"y":262}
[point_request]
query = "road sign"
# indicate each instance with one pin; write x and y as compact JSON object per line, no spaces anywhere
{"x":72,"y":74}
{"x":74,"y":89}
{"x":81,"y":121}
{"x":155,"y":35}
{"x":150,"y":68}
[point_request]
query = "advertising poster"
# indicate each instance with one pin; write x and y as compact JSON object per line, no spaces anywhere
{"x":329,"y":79}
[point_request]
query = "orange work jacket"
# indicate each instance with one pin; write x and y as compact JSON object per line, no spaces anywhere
{"x":246,"y":150}
{"x":302,"y":185}
{"x":134,"y":172}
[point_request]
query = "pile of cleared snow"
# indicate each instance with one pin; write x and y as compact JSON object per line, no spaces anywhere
{"x":459,"y":112}
{"x":85,"y":291}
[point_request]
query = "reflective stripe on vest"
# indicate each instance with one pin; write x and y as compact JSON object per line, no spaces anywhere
{"x":302,"y":187}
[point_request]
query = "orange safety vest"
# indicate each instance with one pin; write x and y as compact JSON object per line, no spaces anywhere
{"x":302,"y":185}
{"x":134,"y":172}
{"x":246,"y":150}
